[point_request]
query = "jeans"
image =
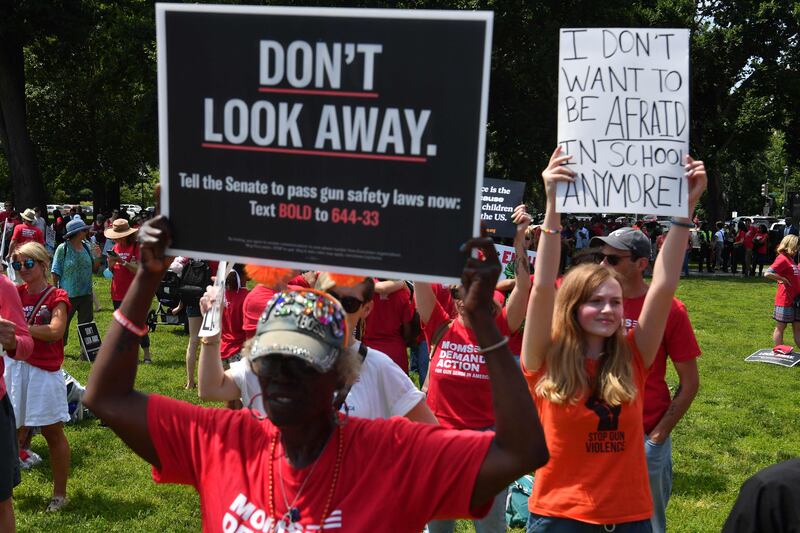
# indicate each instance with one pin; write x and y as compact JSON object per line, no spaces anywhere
{"x":686,"y":263}
{"x":548,"y":524}
{"x":659,"y":468}
{"x":494,"y":522}
{"x":84,"y":307}
{"x":420,"y":355}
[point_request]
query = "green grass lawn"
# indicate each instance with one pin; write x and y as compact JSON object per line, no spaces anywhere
{"x":744,"y":418}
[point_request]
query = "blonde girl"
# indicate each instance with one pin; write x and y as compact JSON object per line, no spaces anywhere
{"x":586,"y":376}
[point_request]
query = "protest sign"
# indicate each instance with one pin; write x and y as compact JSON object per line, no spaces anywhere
{"x":498,"y":200}
{"x":623,"y":115}
{"x":89,"y":336}
{"x":212,"y":321}
{"x":330,"y":139}
{"x":507,"y":256}
{"x":768,"y":356}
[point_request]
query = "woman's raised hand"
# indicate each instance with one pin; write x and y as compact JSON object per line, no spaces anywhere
{"x":154,"y":237}
{"x":696,"y":174}
{"x":556,"y":172}
{"x":207,"y":300}
{"x":479,"y":276}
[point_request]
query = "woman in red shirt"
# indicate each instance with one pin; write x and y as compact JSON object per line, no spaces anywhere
{"x":786,"y":272}
{"x":254,"y":473}
{"x":36,"y":386}
{"x":587,"y":377}
{"x":123,"y":262}
{"x":759,"y":250}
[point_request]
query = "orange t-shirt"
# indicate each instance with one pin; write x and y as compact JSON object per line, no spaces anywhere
{"x":597,"y":471}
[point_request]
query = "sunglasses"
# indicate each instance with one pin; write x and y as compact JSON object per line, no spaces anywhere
{"x":350,"y":304}
{"x":28,"y":263}
{"x":613,"y":259}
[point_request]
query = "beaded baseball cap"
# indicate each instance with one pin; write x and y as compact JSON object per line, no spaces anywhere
{"x":307,"y":324}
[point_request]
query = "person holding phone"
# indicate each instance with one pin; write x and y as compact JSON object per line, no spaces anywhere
{"x":123,"y":262}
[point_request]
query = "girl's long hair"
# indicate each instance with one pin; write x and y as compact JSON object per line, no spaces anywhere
{"x":565,"y":379}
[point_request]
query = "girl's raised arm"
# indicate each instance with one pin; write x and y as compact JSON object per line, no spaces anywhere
{"x":539,"y":318}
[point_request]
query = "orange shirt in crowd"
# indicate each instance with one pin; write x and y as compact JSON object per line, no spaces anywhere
{"x":597,"y":471}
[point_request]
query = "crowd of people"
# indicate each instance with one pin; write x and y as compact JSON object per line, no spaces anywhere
{"x":561,"y":373}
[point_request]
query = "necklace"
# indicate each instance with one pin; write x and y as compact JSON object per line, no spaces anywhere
{"x":293,"y":513}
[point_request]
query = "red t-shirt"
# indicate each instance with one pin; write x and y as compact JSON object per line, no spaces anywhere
{"x":786,"y":267}
{"x":760,"y":242}
{"x":459,"y":392}
{"x":27,"y":233}
{"x":46,"y":355}
{"x":384,"y":325}
{"x":679,"y":343}
{"x":233,"y":335}
{"x":254,"y":304}
{"x":597,"y":471}
{"x":748,"y":238}
{"x":123,"y":277}
{"x":225,"y":454}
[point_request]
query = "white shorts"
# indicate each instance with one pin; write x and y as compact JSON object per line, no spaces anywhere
{"x":39,"y":397}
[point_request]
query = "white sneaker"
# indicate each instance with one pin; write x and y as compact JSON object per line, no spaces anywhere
{"x":33,"y":459}
{"x":56,"y":504}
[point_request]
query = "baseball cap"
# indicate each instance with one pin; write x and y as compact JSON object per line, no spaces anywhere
{"x":307,"y":324}
{"x":625,"y":239}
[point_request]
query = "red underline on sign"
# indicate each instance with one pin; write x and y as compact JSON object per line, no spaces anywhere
{"x":321,"y":153}
{"x":350,"y":94}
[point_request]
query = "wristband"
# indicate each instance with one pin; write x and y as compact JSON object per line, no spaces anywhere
{"x":678,"y":223}
{"x":123,"y":321}
{"x":549,"y":231}
{"x":495,"y":346}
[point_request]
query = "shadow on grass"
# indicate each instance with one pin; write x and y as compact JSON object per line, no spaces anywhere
{"x":698,"y":484}
{"x":90,"y":506}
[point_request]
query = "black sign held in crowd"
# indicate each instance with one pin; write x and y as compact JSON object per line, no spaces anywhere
{"x":90,"y":340}
{"x":498,"y":200}
{"x":341,"y":139}
{"x":768,"y":356}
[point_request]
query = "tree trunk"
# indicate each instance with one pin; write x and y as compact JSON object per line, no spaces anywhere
{"x":715,"y":205}
{"x":26,"y":181}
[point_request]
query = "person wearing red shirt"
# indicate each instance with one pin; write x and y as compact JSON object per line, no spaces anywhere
{"x":36,"y":386}
{"x":26,"y":232}
{"x":123,"y":262}
{"x":785,"y":271}
{"x":760,"y":240}
{"x":254,"y":305}
{"x":384,"y":325}
{"x":587,"y":374}
{"x":17,"y":344}
{"x":459,"y":392}
{"x":304,"y":365}
{"x":627,"y":252}
{"x":748,"y":248}
{"x":232,"y":335}
{"x":8,"y":209}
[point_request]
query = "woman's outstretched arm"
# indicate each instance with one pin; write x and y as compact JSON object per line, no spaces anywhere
{"x":518,"y":446}
{"x":537,"y":335}
{"x":667,"y":271}
{"x":110,"y":392}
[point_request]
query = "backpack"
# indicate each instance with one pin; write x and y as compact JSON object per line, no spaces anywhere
{"x":517,"y":501}
{"x":196,"y":277}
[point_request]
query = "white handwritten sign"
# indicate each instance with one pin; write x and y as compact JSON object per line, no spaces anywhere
{"x":623,"y":114}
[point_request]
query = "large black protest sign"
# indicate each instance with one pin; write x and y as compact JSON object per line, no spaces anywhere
{"x":341,"y":139}
{"x":623,"y":114}
{"x":498,"y":200}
